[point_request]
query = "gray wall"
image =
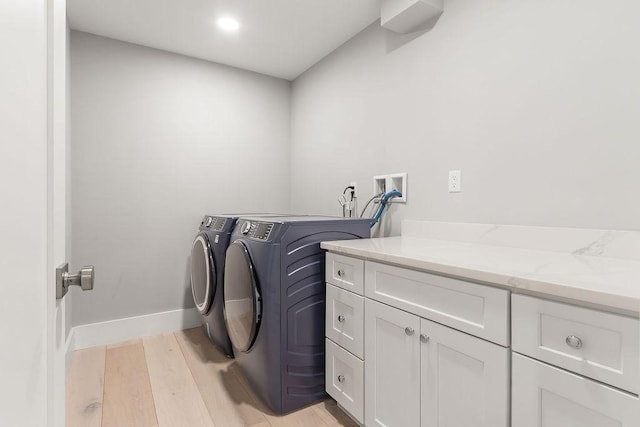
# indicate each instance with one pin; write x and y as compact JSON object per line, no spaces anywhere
{"x":157,"y":141}
{"x":535,"y":102}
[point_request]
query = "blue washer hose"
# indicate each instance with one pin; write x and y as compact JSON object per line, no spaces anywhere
{"x":384,"y":200}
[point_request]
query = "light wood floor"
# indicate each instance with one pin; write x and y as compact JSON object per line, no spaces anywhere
{"x":173,"y":380}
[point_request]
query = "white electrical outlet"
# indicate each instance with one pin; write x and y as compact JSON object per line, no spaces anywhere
{"x":355,"y":187}
{"x":455,"y":184}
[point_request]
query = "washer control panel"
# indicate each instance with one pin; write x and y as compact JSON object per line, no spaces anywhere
{"x":215,"y":222}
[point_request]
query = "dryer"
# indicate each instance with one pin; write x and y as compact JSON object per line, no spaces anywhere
{"x":274,"y":293}
{"x":207,"y":273}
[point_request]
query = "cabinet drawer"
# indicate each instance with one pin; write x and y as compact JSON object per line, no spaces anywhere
{"x":599,"y":345}
{"x":479,"y":310}
{"x":543,"y":395}
{"x":345,"y":379}
{"x":345,"y":272}
{"x":345,"y":319}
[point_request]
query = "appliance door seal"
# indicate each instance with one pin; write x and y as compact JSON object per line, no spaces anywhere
{"x":242,"y":301}
{"x":203,"y":273}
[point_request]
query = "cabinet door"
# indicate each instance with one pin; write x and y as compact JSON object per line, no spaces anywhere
{"x":547,"y":396}
{"x":465,"y":380}
{"x":392,"y":367}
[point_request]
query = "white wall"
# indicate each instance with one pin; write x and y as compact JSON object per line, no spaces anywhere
{"x":159,"y":140}
{"x":535,"y":102}
{"x":23,"y":212}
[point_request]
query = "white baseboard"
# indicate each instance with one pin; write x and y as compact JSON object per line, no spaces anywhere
{"x":115,"y":331}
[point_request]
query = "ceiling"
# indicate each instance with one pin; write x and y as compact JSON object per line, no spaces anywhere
{"x":280,"y":38}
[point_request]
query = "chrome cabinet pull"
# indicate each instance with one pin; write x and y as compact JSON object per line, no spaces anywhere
{"x":409,"y":330}
{"x":424,"y":338}
{"x":340,"y":273}
{"x":340,"y":318}
{"x":573,"y":341}
{"x":340,"y":378}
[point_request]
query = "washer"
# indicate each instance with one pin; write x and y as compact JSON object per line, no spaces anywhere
{"x":207,"y":275}
{"x":274,"y":294}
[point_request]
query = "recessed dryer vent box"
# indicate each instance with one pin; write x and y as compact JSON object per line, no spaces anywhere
{"x":406,"y":16}
{"x":394,"y":181}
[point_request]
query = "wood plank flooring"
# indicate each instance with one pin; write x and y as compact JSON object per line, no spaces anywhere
{"x":173,"y":380}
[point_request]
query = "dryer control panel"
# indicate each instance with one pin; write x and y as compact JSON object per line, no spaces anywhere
{"x":263,"y":230}
{"x":256,"y":229}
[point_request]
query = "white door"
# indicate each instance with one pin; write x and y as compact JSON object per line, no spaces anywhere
{"x":392,"y":366}
{"x":465,"y":380}
{"x":32,"y":210}
{"x":57,"y":167}
{"x":547,"y":396}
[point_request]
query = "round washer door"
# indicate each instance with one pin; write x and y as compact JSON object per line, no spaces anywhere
{"x":203,"y":273}
{"x":242,"y":302}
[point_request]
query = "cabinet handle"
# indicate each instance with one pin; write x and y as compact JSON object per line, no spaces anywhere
{"x":340,"y":378}
{"x":340,"y":273}
{"x":424,"y":338}
{"x":340,"y":318}
{"x":573,"y":341}
{"x":408,"y":330}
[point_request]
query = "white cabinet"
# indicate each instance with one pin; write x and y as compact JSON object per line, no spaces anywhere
{"x":433,"y":351}
{"x":465,"y":380}
{"x":345,"y":379}
{"x":479,"y":310}
{"x":344,"y":320}
{"x":599,"y":345}
{"x":421,"y":373}
{"x":345,"y":272}
{"x":392,"y":366}
{"x":547,"y":396}
{"x":588,"y":342}
{"x":344,"y":331}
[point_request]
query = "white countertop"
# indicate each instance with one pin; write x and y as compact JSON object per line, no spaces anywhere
{"x":599,"y":280}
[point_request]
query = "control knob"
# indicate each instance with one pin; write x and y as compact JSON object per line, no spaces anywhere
{"x":246,"y":227}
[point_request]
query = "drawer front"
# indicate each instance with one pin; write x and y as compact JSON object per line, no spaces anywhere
{"x":599,"y":345}
{"x":345,"y":272}
{"x":345,"y":320}
{"x":479,"y":310}
{"x":543,"y":395}
{"x":345,"y":379}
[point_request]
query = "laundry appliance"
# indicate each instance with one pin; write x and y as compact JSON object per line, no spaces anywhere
{"x":274,"y":293}
{"x":207,"y":275}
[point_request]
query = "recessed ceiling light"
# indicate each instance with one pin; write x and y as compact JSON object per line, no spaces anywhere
{"x":228,"y":24}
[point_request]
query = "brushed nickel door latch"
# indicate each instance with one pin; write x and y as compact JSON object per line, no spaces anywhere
{"x":83,"y":278}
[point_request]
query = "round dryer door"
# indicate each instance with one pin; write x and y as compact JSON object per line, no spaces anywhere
{"x":241,"y":297}
{"x":203,"y":273}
